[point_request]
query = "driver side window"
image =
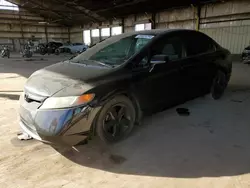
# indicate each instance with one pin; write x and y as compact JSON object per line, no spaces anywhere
{"x":172,"y":47}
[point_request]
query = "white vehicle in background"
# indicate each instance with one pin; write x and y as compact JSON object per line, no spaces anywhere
{"x":72,"y":48}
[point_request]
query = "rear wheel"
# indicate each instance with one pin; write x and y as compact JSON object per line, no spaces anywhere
{"x":116,"y":119}
{"x":219,"y":85}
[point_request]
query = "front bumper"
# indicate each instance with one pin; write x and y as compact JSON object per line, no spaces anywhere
{"x":59,"y":126}
{"x":69,"y":140}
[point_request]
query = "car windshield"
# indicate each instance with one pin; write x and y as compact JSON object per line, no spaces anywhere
{"x":115,"y":50}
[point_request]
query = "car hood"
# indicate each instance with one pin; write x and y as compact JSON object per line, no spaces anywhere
{"x":52,"y":79}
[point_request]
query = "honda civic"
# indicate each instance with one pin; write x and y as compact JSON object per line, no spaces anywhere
{"x":105,"y":90}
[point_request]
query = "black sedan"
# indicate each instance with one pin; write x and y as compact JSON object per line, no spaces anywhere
{"x":105,"y":90}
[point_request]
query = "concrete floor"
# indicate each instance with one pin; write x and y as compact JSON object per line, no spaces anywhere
{"x":210,"y":148}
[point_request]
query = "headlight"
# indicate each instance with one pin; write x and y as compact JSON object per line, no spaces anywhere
{"x":67,"y":102}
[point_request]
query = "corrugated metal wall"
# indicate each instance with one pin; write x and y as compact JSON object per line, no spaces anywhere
{"x":234,"y":38}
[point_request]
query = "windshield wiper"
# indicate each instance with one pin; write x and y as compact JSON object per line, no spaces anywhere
{"x":77,"y":62}
{"x":105,"y":64}
{"x":86,"y":64}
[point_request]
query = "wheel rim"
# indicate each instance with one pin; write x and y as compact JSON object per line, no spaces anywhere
{"x":220,"y":84}
{"x":117,"y":121}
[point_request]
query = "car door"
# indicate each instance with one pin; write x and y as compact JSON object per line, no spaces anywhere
{"x":197,"y":69}
{"x":160,"y":87}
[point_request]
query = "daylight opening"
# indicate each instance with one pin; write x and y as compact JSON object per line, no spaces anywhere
{"x":5,"y":5}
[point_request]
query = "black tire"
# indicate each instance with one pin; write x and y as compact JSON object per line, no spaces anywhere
{"x":219,"y":85}
{"x":57,"y":52}
{"x":115,"y":120}
{"x":42,"y":52}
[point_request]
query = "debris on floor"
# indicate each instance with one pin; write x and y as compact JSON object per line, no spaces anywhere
{"x":183,"y":111}
{"x":238,"y":101}
{"x":24,"y":136}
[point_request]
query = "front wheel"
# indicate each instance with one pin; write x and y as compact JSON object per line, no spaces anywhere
{"x":116,"y":119}
{"x":42,"y":52}
{"x":57,"y":52}
{"x":219,"y":85}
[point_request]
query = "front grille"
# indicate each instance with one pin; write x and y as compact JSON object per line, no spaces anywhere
{"x":31,"y":97}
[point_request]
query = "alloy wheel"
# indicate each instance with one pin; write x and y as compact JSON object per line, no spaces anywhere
{"x":117,"y":121}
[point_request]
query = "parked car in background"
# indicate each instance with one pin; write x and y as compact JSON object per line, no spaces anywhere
{"x":246,"y":55}
{"x":105,"y":90}
{"x":49,"y":48}
{"x":72,"y":48}
{"x":5,"y":52}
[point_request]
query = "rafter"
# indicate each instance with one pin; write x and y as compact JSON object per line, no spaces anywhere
{"x":73,"y":5}
{"x":121,"y":5}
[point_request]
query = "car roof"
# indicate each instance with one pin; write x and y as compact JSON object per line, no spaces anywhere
{"x":157,"y":31}
{"x":148,"y":32}
{"x":154,"y":32}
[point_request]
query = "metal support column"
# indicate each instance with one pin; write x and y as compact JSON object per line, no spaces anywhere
{"x":46,"y":32}
{"x":100,"y":33}
{"x":68,"y":34}
{"x":197,"y":16}
{"x":123,"y":26}
{"x":153,"y":21}
{"x":21,"y":26}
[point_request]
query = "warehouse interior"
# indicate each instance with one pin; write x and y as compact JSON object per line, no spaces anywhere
{"x":92,"y":21}
{"x":209,"y":148}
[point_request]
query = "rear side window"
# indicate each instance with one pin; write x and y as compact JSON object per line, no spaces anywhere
{"x":197,"y":43}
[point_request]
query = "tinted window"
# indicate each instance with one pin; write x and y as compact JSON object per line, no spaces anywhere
{"x":197,"y":43}
{"x":172,"y":47}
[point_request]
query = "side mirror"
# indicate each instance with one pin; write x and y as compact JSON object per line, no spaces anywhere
{"x":158,"y":59}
